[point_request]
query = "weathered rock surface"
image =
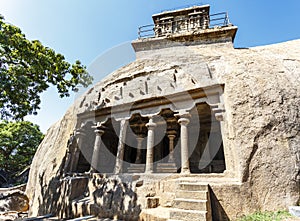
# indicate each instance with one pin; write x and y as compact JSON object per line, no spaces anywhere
{"x":14,"y":204}
{"x":14,"y":201}
{"x":48,"y":165}
{"x":262,"y":121}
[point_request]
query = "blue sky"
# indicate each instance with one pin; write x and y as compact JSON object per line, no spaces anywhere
{"x":85,"y":30}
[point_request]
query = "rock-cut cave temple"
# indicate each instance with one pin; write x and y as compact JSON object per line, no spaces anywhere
{"x":193,"y":129}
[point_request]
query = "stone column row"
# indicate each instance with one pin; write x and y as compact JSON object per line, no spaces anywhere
{"x":183,"y":121}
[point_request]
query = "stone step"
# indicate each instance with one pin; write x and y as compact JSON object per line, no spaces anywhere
{"x":157,"y":214}
{"x":193,"y":187}
{"x":136,"y":168}
{"x":200,"y":195}
{"x":189,"y":215}
{"x":190,"y":204}
{"x":166,"y":168}
{"x":174,"y":219}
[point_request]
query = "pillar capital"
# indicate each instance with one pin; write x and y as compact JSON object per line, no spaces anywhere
{"x":184,"y":118}
{"x":99,"y":129}
{"x":184,"y":121}
{"x":218,"y":109}
{"x":140,"y":138}
{"x":171,"y":136}
{"x":79,"y":132}
{"x":183,"y":114}
{"x":99,"y":132}
{"x":151,"y":125}
{"x":171,"y":133}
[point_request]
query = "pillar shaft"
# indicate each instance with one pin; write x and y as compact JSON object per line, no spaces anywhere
{"x":150,"y":145}
{"x":184,"y":121}
{"x":121,"y":146}
{"x":171,"y":147}
{"x":96,"y":151}
{"x":74,"y":162}
{"x":139,"y":150}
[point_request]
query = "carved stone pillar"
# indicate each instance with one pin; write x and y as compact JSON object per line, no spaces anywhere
{"x":170,"y":166}
{"x":150,"y":145}
{"x":138,"y":159}
{"x":79,"y":134}
{"x":137,"y":166}
{"x":171,"y":136}
{"x":121,"y":146}
{"x":73,"y":151}
{"x":184,"y":121}
{"x":99,"y":130}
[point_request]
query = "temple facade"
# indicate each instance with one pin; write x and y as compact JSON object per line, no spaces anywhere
{"x":152,"y":125}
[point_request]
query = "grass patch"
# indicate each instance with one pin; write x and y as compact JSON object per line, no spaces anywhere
{"x":266,"y":216}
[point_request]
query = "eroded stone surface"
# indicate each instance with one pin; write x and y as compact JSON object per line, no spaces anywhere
{"x":261,"y":123}
{"x":15,"y":200}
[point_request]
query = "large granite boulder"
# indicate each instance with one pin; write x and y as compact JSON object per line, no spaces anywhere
{"x":261,"y":124}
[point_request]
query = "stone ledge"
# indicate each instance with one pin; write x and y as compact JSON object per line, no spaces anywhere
{"x":207,"y":36}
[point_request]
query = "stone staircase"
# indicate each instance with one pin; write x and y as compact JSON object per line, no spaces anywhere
{"x":192,"y":202}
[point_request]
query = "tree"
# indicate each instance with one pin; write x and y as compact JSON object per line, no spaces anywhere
{"x":27,"y":68}
{"x":18,"y":143}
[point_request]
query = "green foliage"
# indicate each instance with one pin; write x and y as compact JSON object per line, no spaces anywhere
{"x":18,"y":143}
{"x":266,"y":216}
{"x":28,"y":68}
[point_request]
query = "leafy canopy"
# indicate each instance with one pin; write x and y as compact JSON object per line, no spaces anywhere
{"x":18,"y":143}
{"x":28,"y":68}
